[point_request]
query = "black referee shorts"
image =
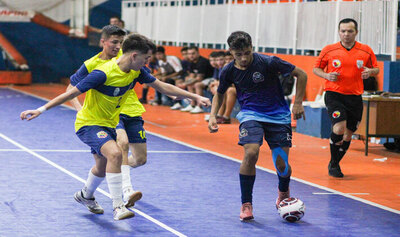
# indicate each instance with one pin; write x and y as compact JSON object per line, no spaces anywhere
{"x":344,"y":107}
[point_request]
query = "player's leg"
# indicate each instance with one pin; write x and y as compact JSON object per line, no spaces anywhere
{"x":102,"y":141}
{"x":354,"y":112}
{"x":113,"y":153}
{"x":132,"y":136}
{"x":338,"y":115}
{"x":95,"y":177}
{"x":279,"y":139}
{"x":251,"y":138}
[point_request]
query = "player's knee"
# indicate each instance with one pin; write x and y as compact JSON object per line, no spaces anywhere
{"x":123,"y":144}
{"x":115,"y":157}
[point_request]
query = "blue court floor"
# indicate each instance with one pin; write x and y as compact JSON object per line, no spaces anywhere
{"x":186,"y":191}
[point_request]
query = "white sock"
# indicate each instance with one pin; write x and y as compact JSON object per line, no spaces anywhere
{"x":114,"y":181}
{"x":126,"y":177}
{"x":91,"y":184}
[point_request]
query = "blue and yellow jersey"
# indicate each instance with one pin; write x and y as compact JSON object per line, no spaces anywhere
{"x":89,"y":65}
{"x":106,"y":88}
{"x":132,"y":107}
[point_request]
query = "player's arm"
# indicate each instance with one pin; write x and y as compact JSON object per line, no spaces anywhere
{"x":68,"y":95}
{"x":171,"y":90}
{"x":75,"y":79}
{"x":75,"y":101}
{"x":216,"y":105}
{"x":92,"y":80}
{"x":301,"y":82}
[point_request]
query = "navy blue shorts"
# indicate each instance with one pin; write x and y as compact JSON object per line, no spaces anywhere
{"x":276,"y":135}
{"x":95,"y":137}
{"x":133,"y":127}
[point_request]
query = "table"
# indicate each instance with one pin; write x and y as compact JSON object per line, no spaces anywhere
{"x":381,"y":118}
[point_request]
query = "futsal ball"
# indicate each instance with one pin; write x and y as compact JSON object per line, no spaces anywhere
{"x":291,"y":209}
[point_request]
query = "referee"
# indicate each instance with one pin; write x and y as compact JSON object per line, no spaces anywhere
{"x":344,"y":65}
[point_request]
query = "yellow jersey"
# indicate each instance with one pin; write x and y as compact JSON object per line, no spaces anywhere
{"x":106,"y":88}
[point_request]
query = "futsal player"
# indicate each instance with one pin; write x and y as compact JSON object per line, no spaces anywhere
{"x":130,"y":120}
{"x":264,"y":112}
{"x":95,"y":123}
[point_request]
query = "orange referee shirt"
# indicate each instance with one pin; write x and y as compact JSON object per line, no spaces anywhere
{"x":349,"y":64}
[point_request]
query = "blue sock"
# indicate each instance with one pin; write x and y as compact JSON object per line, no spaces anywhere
{"x":284,"y":183}
{"x":246,"y":187}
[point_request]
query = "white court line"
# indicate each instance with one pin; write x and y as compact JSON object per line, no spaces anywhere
{"x":293,"y":178}
{"x":84,"y":181}
{"x":87,"y":150}
{"x":337,"y":193}
{"x":258,"y":167}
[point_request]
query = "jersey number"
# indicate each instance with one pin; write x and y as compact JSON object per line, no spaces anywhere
{"x":142,"y":134}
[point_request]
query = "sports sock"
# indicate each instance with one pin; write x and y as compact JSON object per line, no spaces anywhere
{"x":284,"y":183}
{"x":343,"y":149}
{"x":91,"y":184}
{"x":335,"y":138}
{"x":246,"y":187}
{"x":126,"y":177}
{"x":114,"y":181}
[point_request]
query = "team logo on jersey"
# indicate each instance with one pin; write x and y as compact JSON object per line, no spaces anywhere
{"x":336,"y":63}
{"x":258,"y":77}
{"x":102,"y":134}
{"x":116,"y":91}
{"x":360,"y":64}
{"x":336,"y":114}
{"x":243,"y":133}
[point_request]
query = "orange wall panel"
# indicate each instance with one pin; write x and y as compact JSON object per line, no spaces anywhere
{"x":15,"y":77}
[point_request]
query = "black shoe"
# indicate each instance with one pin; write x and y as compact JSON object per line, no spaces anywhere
{"x":143,"y":101}
{"x":335,"y":171}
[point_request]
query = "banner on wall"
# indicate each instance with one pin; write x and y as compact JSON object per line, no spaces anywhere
{"x":7,"y":15}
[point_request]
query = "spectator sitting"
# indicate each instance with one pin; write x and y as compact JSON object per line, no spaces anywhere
{"x":204,"y":84}
{"x":200,"y":68}
{"x":170,"y":70}
{"x":224,"y":113}
{"x":185,"y":72}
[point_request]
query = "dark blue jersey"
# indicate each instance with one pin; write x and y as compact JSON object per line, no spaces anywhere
{"x":259,"y":91}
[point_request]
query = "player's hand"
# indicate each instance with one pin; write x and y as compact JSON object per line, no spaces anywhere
{"x":29,"y":114}
{"x":298,"y":111}
{"x":366,"y":73}
{"x":333,"y":76}
{"x":212,"y":124}
{"x":201,"y":100}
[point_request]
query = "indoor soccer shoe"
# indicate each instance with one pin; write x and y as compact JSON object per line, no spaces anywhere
{"x":122,"y":212}
{"x":335,"y":171}
{"x":91,"y":203}
{"x":281,"y":196}
{"x":130,"y":197}
{"x":246,"y":212}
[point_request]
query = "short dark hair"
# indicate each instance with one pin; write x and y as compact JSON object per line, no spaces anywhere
{"x":184,"y":49}
{"x":116,"y":17}
{"x":239,"y":40}
{"x":194,"y":47}
{"x":160,"y":49}
{"x":348,"y":20}
{"x":110,"y":30}
{"x":214,"y":54}
{"x":139,"y":43}
{"x":227,"y":53}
